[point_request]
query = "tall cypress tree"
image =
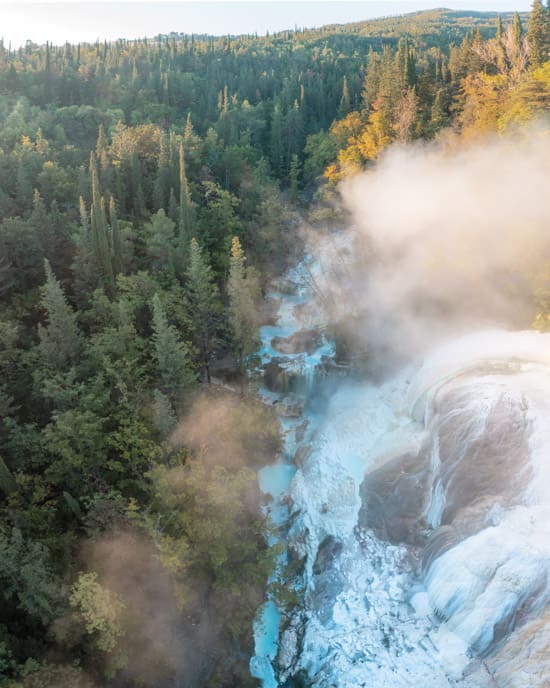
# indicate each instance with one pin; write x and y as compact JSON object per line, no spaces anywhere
{"x":538,"y":34}
{"x":517,"y":30}
{"x":500,"y":29}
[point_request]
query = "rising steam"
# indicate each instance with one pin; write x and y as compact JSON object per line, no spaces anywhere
{"x":453,"y":241}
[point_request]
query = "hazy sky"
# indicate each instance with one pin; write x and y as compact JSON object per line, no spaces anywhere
{"x":86,"y":21}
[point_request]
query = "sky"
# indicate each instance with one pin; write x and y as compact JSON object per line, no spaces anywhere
{"x":77,"y":21}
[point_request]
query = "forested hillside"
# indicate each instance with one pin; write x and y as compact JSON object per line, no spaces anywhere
{"x":148,"y":190}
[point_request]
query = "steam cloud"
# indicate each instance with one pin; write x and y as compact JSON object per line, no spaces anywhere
{"x":453,"y":241}
{"x":163,"y":644}
{"x":128,"y":565}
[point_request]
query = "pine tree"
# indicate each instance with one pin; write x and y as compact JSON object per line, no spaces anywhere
{"x":161,"y":246}
{"x":164,"y":417}
{"x":7,"y":481}
{"x":41,"y":225}
{"x":500,"y":29}
{"x":203,"y":304}
{"x":162,"y":181}
{"x":499,"y":47}
{"x":173,"y":210}
{"x":294,"y":125}
{"x":99,"y":232}
{"x":345,"y":102}
{"x":84,"y":266}
{"x":243,"y":292}
{"x":7,"y":277}
{"x":409,"y":68}
{"x":59,"y":339}
{"x":538,"y":34}
{"x":438,"y":115}
{"x":172,"y":358}
{"x":517,"y":29}
{"x":517,"y":49}
{"x":191,"y":142}
{"x":116,"y":241}
{"x":101,"y":144}
{"x":276,"y":146}
{"x":294,"y":177}
{"x":102,"y":156}
{"x":186,"y":210}
{"x":371,"y":84}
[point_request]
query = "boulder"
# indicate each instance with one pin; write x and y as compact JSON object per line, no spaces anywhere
{"x":303,"y":341}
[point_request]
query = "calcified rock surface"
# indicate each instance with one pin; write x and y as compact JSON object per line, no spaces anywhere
{"x":420,"y":508}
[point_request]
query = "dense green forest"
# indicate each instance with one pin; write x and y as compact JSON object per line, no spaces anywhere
{"x":148,"y":191}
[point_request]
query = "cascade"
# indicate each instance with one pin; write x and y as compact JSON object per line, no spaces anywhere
{"x":418,"y":507}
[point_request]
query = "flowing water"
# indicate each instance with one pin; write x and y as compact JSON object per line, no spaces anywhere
{"x":417,"y":511}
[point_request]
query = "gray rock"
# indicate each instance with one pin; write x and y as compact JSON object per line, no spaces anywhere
{"x":328,"y":551}
{"x":289,"y":408}
{"x":290,"y":647}
{"x":394,"y":498}
{"x":302,"y":341}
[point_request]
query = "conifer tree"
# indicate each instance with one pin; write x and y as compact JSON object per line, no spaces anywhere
{"x":7,"y":279}
{"x":161,"y":244}
{"x":164,"y":416}
{"x":173,"y":210}
{"x":116,"y":241}
{"x":7,"y":481}
{"x":345,"y":102}
{"x":516,"y":49}
{"x":409,"y":68}
{"x":276,"y":139}
{"x":40,"y":224}
{"x":294,"y":177}
{"x":60,"y":338}
{"x":162,"y":181}
{"x":84,"y":266}
{"x":500,"y":29}
{"x":203,"y":304}
{"x":99,"y":232}
{"x":171,"y":354}
{"x":186,"y":209}
{"x":371,"y":84}
{"x":517,"y":29}
{"x":500,"y":56}
{"x":101,"y":144}
{"x":538,"y":34}
{"x":438,"y":116}
{"x":243,"y":292}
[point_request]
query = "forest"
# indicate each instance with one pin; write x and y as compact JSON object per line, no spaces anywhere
{"x":149,"y":190}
